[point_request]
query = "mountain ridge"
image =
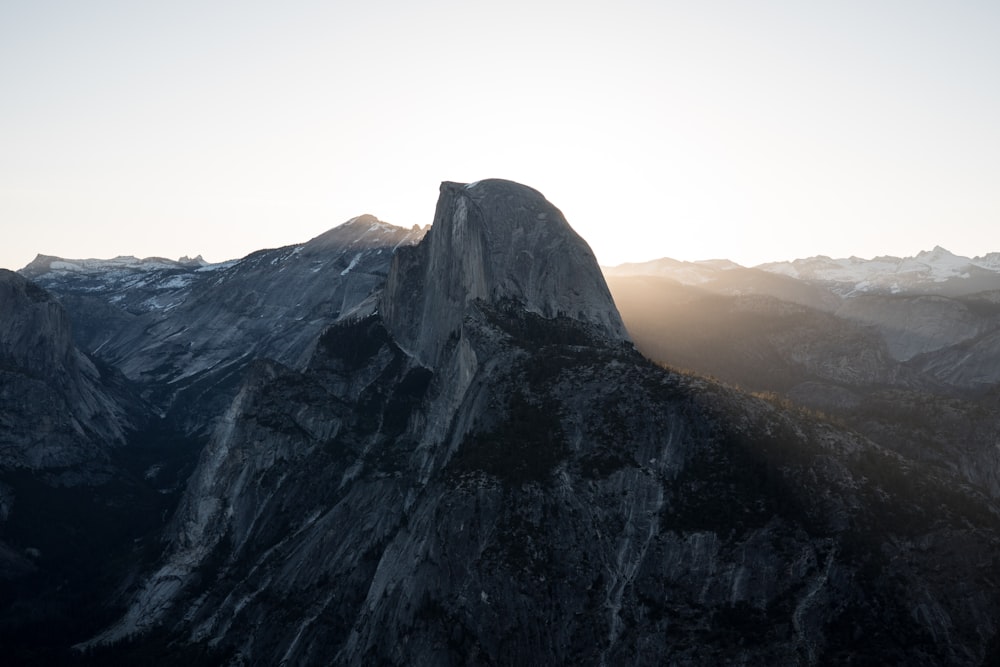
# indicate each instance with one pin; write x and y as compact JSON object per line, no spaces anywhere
{"x":565,"y":502}
{"x":182,"y":330}
{"x":457,"y":456}
{"x":929,"y":271}
{"x":916,"y":372}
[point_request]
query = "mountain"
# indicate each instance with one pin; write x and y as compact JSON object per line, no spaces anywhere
{"x":55,"y":411}
{"x":186,"y":330}
{"x":482,"y":470}
{"x":914,"y":371}
{"x":111,"y":381}
{"x":59,"y":409}
{"x":85,"y":473}
{"x":534,"y":260}
{"x":136,"y":285}
{"x":759,"y":341}
{"x":934,"y":271}
{"x":723,"y":277}
{"x":921,"y":304}
{"x":686,"y":273}
{"x":936,"y":302}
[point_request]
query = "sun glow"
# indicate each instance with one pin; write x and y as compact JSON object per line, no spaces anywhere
{"x":715,"y":130}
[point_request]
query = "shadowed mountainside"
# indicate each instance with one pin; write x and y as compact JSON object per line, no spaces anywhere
{"x":518,"y":486}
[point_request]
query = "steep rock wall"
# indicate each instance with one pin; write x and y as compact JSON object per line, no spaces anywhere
{"x":54,"y":409}
{"x":493,"y":240}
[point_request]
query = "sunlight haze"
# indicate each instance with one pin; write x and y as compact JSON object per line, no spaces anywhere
{"x":750,"y":131}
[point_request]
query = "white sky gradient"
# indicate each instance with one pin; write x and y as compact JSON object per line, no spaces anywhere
{"x":755,"y":131}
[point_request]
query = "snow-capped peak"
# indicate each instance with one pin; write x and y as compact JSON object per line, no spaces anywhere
{"x":887,"y":273}
{"x":937,"y":251}
{"x":989,"y":261}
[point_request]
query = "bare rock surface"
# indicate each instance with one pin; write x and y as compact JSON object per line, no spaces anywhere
{"x":186,"y":331}
{"x":493,"y":241}
{"x":56,"y":409}
{"x":483,"y":471}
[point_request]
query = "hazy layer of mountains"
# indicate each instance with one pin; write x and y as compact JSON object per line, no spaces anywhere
{"x":934,"y":271}
{"x":906,"y":351}
{"x":440,"y":446}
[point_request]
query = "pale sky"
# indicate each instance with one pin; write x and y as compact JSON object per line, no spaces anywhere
{"x":754,"y":131}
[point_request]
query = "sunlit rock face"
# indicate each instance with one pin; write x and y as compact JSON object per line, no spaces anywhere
{"x":483,"y":471}
{"x":55,"y":409}
{"x":493,"y":241}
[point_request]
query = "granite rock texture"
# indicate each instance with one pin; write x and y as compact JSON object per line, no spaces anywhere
{"x":483,"y":471}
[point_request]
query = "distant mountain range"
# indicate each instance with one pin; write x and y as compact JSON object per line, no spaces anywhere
{"x":904,"y":350}
{"x":934,"y":271}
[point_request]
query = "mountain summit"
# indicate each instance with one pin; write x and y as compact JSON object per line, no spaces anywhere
{"x":498,"y":242}
{"x":470,"y":466}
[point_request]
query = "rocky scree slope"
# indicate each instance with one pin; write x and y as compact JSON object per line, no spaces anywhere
{"x":521,"y":487}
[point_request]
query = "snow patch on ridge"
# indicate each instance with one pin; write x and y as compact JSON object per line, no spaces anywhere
{"x":886,"y":273}
{"x":354,"y":262}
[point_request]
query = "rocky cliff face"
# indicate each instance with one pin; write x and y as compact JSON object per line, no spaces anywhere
{"x":56,"y":409}
{"x":484,"y":471}
{"x":186,"y":330}
{"x":493,"y":241}
{"x":63,"y":422}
